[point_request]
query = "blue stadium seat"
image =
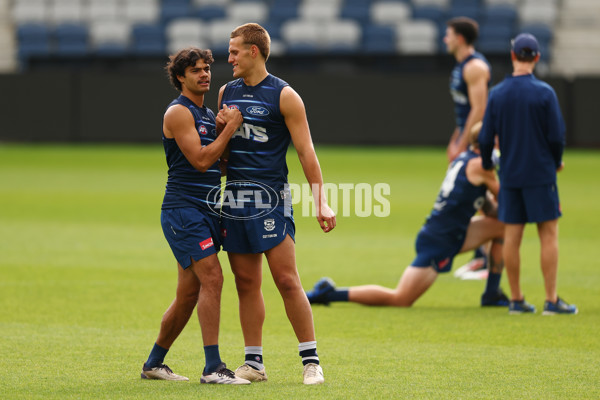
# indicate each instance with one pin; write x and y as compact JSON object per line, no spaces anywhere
{"x":210,"y":12}
{"x":358,"y":10}
{"x":71,"y":40}
{"x":433,"y":13}
{"x":542,"y":32}
{"x":274,"y":30}
{"x":148,"y":40}
{"x":283,"y":10}
{"x":34,"y":40}
{"x":466,"y":3}
{"x":500,"y":14}
{"x":495,"y":38}
{"x":464,"y":11}
{"x":378,"y":39}
{"x":172,"y":9}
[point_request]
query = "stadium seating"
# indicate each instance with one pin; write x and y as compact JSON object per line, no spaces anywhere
{"x":390,"y":12}
{"x":71,"y":40}
{"x":248,"y":11}
{"x":66,"y":11}
{"x":185,"y":32}
{"x":210,"y":12}
{"x":379,"y":40}
{"x":110,"y":38}
{"x":157,"y":27}
{"x":34,"y":40}
{"x":148,"y":40}
{"x":417,"y":37}
{"x":30,"y":11}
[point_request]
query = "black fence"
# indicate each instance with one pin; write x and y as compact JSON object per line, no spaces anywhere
{"x":370,"y":101}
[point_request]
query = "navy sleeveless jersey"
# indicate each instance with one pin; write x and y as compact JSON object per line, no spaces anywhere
{"x":457,"y":201}
{"x":186,"y":186}
{"x":459,"y":91}
{"x":258,"y":148}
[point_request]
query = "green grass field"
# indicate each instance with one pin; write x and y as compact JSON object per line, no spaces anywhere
{"x":85,"y":275}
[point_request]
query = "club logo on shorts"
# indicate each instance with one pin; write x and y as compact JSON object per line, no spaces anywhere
{"x":202,"y":130}
{"x":269,"y":224}
{"x":205,"y":244}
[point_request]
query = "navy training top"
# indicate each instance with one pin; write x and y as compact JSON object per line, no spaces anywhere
{"x":460,"y":92}
{"x":525,"y":115}
{"x":258,"y":148}
{"x":186,"y":186}
{"x":457,"y":201}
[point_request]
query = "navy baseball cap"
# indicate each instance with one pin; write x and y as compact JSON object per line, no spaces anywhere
{"x":525,"y":45}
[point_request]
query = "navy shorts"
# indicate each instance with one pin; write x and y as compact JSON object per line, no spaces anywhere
{"x":257,"y":234}
{"x":528,"y":204}
{"x":191,"y":233}
{"x":436,"y":251}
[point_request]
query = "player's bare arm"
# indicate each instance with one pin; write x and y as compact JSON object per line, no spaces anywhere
{"x":479,"y":176}
{"x":490,"y":206}
{"x":476,"y":74}
{"x":179,"y":125}
{"x":450,"y":150}
{"x":292,"y":108}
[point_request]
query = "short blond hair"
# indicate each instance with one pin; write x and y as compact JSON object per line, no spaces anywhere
{"x":254,"y":34}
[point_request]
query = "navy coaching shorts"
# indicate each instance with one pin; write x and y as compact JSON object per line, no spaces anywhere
{"x":436,"y":251}
{"x":191,"y":233}
{"x":257,"y":234}
{"x":528,"y":204}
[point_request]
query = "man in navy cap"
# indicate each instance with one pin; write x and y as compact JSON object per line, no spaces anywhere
{"x":523,"y":113}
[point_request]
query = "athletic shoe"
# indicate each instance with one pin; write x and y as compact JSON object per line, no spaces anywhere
{"x":520,"y":307}
{"x":223,"y":376}
{"x":251,"y":374}
{"x":162,"y":372}
{"x":560,"y":307}
{"x":497,"y":299}
{"x":475,"y":264}
{"x":479,"y":275}
{"x":313,"y":374}
{"x":318,"y":294}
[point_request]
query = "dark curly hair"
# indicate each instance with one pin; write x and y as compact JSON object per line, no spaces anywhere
{"x":466,"y":27}
{"x":185,"y":58}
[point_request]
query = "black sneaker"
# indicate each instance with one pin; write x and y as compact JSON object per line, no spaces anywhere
{"x":560,"y":307}
{"x":520,"y":307}
{"x":497,"y":299}
{"x":318,"y":294}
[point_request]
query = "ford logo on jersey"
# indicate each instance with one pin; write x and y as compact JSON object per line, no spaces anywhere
{"x":257,"y":110}
{"x":242,"y":200}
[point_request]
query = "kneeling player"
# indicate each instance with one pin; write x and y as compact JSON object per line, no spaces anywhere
{"x":450,"y":229}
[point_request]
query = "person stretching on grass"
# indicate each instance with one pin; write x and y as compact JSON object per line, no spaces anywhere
{"x":450,"y":229}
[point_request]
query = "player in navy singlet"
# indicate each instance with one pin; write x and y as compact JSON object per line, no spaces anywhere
{"x":255,"y":217}
{"x":450,"y":229}
{"x":469,"y":81}
{"x":192,"y":150}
